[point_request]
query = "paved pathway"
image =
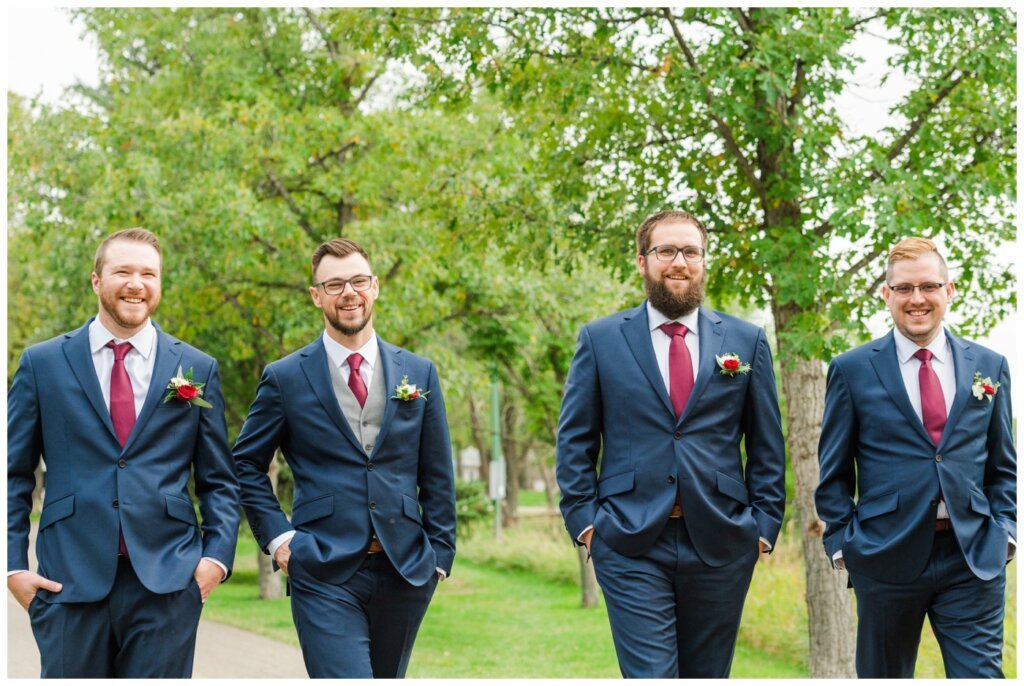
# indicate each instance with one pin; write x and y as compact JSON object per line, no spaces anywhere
{"x":221,"y":651}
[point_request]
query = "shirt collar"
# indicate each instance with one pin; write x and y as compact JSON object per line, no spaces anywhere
{"x":655,"y":318}
{"x":906,"y":348}
{"x":142,"y":342}
{"x":339,"y":354}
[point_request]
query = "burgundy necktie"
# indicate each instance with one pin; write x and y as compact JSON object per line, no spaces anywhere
{"x":933,"y":404}
{"x":122,"y":407}
{"x":680,"y":367}
{"x":355,"y":379}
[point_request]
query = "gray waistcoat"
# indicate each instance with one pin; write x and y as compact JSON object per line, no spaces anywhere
{"x":364,"y":421}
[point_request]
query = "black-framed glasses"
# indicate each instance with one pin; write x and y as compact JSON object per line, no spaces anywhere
{"x":667,"y":253}
{"x":360,"y":282}
{"x":906,"y":289}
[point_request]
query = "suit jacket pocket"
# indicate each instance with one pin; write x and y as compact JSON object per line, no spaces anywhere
{"x":411,"y":509}
{"x":181,"y":509}
{"x":617,"y":483}
{"x":311,"y":510}
{"x":729,"y":486}
{"x":56,"y":511}
{"x":877,"y":505}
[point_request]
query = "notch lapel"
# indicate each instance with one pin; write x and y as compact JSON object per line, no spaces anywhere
{"x":79,"y":357}
{"x":963,"y":370}
{"x":168,"y":357}
{"x":392,"y":365}
{"x":637,"y":331}
{"x":712,"y":339}
{"x":314,"y":366}
{"x":887,"y":368}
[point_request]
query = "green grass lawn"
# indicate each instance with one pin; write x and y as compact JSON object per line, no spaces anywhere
{"x":511,"y":609}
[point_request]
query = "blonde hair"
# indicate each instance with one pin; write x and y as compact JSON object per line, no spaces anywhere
{"x":911,"y":249}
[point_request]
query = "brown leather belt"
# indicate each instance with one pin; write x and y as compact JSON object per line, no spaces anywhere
{"x":943,"y":525}
{"x":375,"y":547}
{"x":677,"y":512}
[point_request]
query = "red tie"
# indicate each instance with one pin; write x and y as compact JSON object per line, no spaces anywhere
{"x":680,"y":367}
{"x":355,"y":380}
{"x":933,"y":404}
{"x":122,"y":407}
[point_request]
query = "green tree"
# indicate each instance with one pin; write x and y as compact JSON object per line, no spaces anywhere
{"x":732,"y":114}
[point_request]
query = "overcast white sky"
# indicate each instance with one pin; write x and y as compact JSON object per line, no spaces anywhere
{"x":46,"y":53}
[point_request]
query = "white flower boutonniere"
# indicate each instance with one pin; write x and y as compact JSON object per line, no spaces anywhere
{"x":406,"y":391}
{"x":983,"y":387}
{"x":730,"y":365}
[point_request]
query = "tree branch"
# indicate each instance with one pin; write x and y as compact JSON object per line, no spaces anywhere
{"x":292,"y":205}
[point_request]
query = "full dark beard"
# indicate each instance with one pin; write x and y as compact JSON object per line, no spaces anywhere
{"x":332,"y":317}
{"x":671,"y":305}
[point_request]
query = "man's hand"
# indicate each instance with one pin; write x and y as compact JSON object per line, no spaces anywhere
{"x":25,"y":585}
{"x":207,"y":575}
{"x":762,"y":547}
{"x":281,"y":556}
{"x":589,"y":534}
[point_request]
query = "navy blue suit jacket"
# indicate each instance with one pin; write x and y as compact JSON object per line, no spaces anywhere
{"x":873,"y":443}
{"x":616,"y":407}
{"x":405,"y":490}
{"x":55,"y":410}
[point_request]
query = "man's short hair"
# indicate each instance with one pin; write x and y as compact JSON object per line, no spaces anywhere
{"x":337,"y":247}
{"x":643,"y":234}
{"x":135,"y":234}
{"x":911,"y":249}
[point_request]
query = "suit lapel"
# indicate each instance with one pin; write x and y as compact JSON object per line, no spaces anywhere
{"x":168,"y":357}
{"x":636,"y":329}
{"x":712,"y":339}
{"x":887,"y":367}
{"x":79,"y":357}
{"x":314,"y":366}
{"x":393,"y":367}
{"x":963,"y":369}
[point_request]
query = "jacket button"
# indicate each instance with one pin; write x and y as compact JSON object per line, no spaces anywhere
{"x":121,"y":463}
{"x":677,"y":435}
{"x":934,"y":502}
{"x":938,"y":458}
{"x":671,"y":479}
{"x":115,"y":503}
{"x":373,"y":504}
{"x":369,"y":467}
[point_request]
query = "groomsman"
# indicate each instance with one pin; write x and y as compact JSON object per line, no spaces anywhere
{"x":662,"y":395}
{"x":123,"y":414}
{"x":362,"y":425}
{"x":918,"y":425}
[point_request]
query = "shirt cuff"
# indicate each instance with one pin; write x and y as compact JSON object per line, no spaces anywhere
{"x":1010,"y":554}
{"x":223,"y":567}
{"x":580,"y":537}
{"x":768,"y":547}
{"x":16,"y":571}
{"x":442,"y":573}
{"x":276,"y":543}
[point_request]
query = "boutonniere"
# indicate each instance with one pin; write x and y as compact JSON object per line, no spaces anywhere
{"x":406,"y":391}
{"x":730,"y":365}
{"x":983,"y":387}
{"x":181,"y":387}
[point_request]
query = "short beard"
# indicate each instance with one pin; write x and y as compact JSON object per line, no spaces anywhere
{"x":336,"y":324}
{"x":671,"y":305}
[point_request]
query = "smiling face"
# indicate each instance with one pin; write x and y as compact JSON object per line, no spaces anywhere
{"x":348,"y":316}
{"x":674,"y":288}
{"x":128,"y":286}
{"x":918,"y":316}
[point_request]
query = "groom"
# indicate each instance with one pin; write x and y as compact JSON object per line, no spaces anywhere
{"x":362,"y":425}
{"x":661,"y":395}
{"x":124,"y":565}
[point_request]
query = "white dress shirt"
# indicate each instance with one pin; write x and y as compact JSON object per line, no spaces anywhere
{"x":661,"y":341}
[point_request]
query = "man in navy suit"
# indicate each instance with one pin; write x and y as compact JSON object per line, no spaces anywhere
{"x":362,"y":425}
{"x":124,"y":565}
{"x":918,"y":425}
{"x":674,"y":519}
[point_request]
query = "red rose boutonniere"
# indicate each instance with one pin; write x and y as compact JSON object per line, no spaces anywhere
{"x":983,"y":388}
{"x":181,"y":387}
{"x":406,"y":391}
{"x":730,"y":365}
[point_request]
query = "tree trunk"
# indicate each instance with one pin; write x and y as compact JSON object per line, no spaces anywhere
{"x":830,"y":619}
{"x":479,"y":440}
{"x":270,"y":584}
{"x":588,"y":580}
{"x":514,"y":457}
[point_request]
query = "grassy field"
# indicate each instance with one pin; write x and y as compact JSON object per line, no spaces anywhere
{"x":511,"y":609}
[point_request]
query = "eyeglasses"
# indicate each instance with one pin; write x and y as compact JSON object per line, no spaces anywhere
{"x":360,"y":282}
{"x":905,"y":289}
{"x":667,"y":253}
